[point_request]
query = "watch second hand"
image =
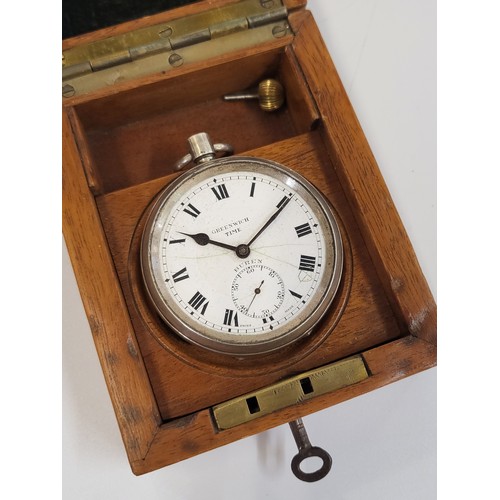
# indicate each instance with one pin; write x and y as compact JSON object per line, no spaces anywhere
{"x":203,"y":239}
{"x":257,"y":291}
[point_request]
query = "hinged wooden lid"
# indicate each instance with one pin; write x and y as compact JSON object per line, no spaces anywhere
{"x":167,"y":45}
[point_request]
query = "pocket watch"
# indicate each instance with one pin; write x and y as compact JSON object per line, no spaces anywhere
{"x":240,"y":255}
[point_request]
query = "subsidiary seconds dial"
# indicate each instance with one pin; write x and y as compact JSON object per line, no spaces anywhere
{"x":258,"y":292}
{"x":241,"y":256}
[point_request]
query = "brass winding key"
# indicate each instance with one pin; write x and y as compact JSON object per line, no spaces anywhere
{"x":270,"y":94}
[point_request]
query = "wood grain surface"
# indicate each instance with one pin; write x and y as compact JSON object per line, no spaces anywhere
{"x":366,"y":190}
{"x":115,"y":341}
{"x":193,"y":434}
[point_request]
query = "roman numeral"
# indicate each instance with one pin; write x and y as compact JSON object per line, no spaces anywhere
{"x":180,"y":275}
{"x":197,"y":300}
{"x":303,"y":230}
{"x":230,"y":318}
{"x":220,"y":192}
{"x":192,"y":210}
{"x":283,"y":202}
{"x":307,"y":263}
{"x":252,"y":189}
{"x":264,"y":320}
{"x":295,"y":294}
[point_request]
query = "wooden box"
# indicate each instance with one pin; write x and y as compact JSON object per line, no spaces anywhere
{"x":123,"y":131}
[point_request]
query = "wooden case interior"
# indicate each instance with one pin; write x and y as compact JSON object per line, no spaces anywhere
{"x":131,"y":144}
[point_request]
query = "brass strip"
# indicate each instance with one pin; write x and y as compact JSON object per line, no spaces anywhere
{"x":289,"y":392}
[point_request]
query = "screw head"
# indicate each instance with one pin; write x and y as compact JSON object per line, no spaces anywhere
{"x":175,"y":60}
{"x":279,"y":30}
{"x":68,"y":90}
{"x":166,"y":32}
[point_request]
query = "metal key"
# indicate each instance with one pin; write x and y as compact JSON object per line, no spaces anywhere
{"x":270,"y":94}
{"x":306,"y":450}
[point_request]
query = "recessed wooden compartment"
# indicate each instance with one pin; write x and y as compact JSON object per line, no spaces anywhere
{"x":361,"y":315}
{"x":120,"y":147}
{"x":137,"y":136}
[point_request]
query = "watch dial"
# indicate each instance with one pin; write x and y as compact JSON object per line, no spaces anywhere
{"x":242,"y":257}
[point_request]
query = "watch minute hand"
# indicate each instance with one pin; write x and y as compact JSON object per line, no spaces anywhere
{"x":271,"y":219}
{"x":203,"y":239}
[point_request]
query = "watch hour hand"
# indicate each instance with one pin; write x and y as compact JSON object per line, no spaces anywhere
{"x":203,"y":239}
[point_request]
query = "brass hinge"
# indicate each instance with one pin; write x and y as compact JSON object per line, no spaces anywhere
{"x":169,"y":45}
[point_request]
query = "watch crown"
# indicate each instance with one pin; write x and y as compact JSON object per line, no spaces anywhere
{"x":201,"y":147}
{"x":202,"y":150}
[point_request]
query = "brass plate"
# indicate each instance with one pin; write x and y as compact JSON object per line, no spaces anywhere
{"x":289,"y":392}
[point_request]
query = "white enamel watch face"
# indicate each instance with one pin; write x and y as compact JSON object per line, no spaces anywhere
{"x":241,"y":256}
